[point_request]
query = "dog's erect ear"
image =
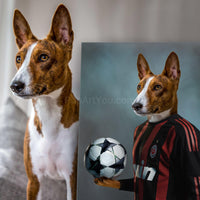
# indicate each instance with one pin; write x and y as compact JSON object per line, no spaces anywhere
{"x":172,"y":68}
{"x":143,"y":67}
{"x":61,"y":28}
{"x":22,"y":29}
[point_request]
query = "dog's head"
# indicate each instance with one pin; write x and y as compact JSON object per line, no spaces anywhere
{"x":157,"y":93}
{"x":42,"y":64}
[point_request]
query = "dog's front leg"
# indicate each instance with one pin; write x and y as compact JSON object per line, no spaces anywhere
{"x":71,"y":178}
{"x":33,"y":189}
{"x":33,"y":185}
{"x":70,"y":185}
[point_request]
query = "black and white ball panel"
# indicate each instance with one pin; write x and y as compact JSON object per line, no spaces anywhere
{"x":105,"y":157}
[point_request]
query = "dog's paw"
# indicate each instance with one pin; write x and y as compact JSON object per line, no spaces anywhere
{"x":107,"y":182}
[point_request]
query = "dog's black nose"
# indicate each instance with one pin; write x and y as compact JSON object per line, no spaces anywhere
{"x":137,"y":106}
{"x":17,"y":86}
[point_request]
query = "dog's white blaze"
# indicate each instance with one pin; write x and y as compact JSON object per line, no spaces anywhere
{"x":53,"y":153}
{"x":22,"y":74}
{"x":142,"y":97}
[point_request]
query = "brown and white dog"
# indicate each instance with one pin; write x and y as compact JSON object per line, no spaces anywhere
{"x":50,"y":143}
{"x":157,"y":98}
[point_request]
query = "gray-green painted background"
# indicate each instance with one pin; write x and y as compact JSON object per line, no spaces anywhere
{"x":108,"y":87}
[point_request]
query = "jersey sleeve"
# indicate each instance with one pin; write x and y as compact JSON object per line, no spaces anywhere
{"x":187,"y":160}
{"x":127,"y":185}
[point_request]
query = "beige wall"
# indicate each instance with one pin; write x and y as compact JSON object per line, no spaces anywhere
{"x":99,"y":21}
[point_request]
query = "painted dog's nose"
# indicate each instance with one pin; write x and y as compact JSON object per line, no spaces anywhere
{"x":137,"y":106}
{"x":17,"y":86}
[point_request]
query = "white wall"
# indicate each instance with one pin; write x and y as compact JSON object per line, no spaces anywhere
{"x":99,"y":21}
{"x":7,"y":48}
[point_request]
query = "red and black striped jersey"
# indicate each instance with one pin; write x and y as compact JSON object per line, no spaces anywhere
{"x":166,"y":161}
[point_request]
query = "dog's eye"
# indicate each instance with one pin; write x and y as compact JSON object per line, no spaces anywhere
{"x":43,"y":58}
{"x":139,"y":87}
{"x":157,"y":87}
{"x":18,"y":59}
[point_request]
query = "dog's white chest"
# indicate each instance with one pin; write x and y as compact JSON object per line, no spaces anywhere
{"x":53,"y":153}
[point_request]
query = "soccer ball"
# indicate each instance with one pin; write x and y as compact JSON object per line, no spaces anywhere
{"x":105,"y":157}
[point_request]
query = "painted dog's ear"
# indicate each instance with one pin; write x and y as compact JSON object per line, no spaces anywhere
{"x":61,"y":28}
{"x":143,"y":67}
{"x":22,"y":29}
{"x":172,"y":68}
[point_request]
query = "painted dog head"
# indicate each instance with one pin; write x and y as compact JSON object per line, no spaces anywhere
{"x":157,"y":96}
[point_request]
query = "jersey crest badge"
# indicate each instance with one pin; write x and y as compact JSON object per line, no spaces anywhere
{"x":153,"y":151}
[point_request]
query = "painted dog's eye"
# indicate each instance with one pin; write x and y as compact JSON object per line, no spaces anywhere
{"x":139,"y":87}
{"x":157,"y":87}
{"x":43,"y":58}
{"x":18,"y":59}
